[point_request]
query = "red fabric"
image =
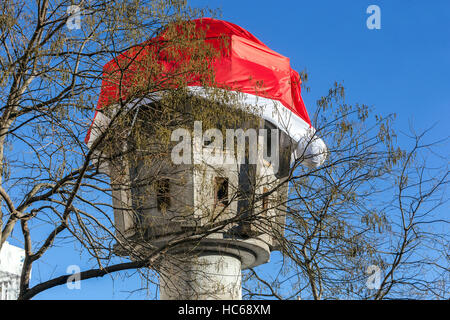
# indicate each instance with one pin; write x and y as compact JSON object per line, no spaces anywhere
{"x":247,"y":65}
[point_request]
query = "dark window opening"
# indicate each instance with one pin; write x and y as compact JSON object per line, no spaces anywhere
{"x":163,"y":195}
{"x":207,"y":140}
{"x":269,"y":127}
{"x":269,"y":142}
{"x":221,"y":191}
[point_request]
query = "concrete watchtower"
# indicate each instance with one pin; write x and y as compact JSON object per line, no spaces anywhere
{"x":217,"y":183}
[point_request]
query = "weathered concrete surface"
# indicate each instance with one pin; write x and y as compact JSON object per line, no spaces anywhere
{"x":207,"y":277}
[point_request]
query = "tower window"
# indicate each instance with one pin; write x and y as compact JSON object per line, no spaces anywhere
{"x":269,"y":142}
{"x":270,"y":128}
{"x":163,"y":195}
{"x":221,"y":191}
{"x":207,"y":141}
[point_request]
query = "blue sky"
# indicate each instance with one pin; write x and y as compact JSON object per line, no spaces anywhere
{"x":404,"y":68}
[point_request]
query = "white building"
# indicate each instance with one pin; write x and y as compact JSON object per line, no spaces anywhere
{"x":11,"y":262}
